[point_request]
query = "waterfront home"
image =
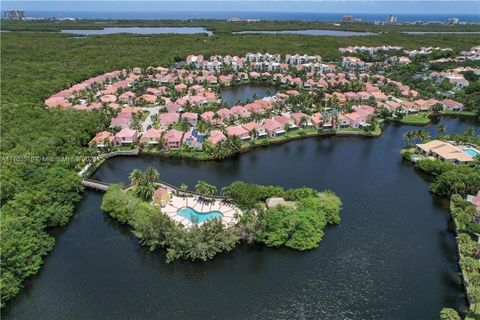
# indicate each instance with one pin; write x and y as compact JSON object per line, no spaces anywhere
{"x":191,"y":117}
{"x":285,"y":122}
{"x":161,"y":197}
{"x":151,"y":136}
{"x":255,"y":130}
{"x":425,"y":105}
{"x":101,"y":139}
{"x":255,"y":107}
{"x":317,"y":120}
{"x":452,"y":105}
{"x":216,"y":136}
{"x":166,"y":119}
{"x":172,"y":139}
{"x":241,"y":112}
{"x":238,"y":131}
{"x":300,"y":119}
{"x":126,"y":136}
{"x":444,"y":151}
{"x":475,"y":200}
{"x":193,"y":139}
{"x":273,"y":128}
{"x":225,"y":80}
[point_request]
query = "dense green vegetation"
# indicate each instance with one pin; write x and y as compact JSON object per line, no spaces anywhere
{"x":298,"y":226}
{"x":456,"y":182}
{"x":223,"y":26}
{"x":40,"y":192}
{"x":156,"y":230}
{"x":464,"y":213}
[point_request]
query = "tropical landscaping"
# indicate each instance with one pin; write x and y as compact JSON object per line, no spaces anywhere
{"x":298,"y":222}
{"x":43,"y":149}
{"x":456,"y":182}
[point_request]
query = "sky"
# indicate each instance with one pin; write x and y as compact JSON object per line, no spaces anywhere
{"x":351,"y":6}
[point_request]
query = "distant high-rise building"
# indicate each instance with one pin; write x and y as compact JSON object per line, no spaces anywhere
{"x":392,"y":19}
{"x":14,"y":14}
{"x":347,"y":19}
{"x":453,"y":20}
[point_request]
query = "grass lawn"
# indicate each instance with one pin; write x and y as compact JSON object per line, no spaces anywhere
{"x":419,"y":118}
{"x":459,"y":113}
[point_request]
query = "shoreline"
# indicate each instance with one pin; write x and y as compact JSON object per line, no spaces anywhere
{"x":454,"y":230}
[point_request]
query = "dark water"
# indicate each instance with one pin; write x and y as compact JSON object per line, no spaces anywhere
{"x":312,"y":32}
{"x":139,"y":30}
{"x":391,"y":257}
{"x":243,"y":92}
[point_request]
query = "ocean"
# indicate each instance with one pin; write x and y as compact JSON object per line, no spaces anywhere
{"x":305,"y":16}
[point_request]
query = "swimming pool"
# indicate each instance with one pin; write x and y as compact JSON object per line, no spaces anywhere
{"x":474,"y":153}
{"x":198,"y":217}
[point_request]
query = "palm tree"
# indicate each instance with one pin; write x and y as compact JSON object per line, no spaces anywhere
{"x":151,"y":174}
{"x":145,"y":190}
{"x":135,"y":177}
{"x":210,"y":190}
{"x":184,"y":187}
{"x":201,"y":188}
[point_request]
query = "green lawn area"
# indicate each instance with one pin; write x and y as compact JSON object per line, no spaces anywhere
{"x":459,"y":113}
{"x":419,"y":118}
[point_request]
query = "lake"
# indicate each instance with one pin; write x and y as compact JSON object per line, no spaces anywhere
{"x":441,"y":32}
{"x":391,"y":257}
{"x":140,"y":30}
{"x":312,"y":32}
{"x":245,"y":91}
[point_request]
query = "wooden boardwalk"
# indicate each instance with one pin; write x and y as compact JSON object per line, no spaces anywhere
{"x":95,"y":184}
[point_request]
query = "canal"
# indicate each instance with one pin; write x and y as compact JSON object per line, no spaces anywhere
{"x":391,"y":257}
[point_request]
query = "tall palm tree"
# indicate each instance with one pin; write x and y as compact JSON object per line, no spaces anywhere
{"x":152,"y":174}
{"x":184,"y":187}
{"x":135,"y":177}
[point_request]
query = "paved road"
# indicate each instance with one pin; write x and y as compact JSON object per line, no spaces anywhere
{"x":148,"y":121}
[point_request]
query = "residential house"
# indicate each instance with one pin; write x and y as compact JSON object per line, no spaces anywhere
{"x":273,"y":128}
{"x":191,"y":117}
{"x":150,"y":137}
{"x":126,"y":136}
{"x":172,"y":139}
{"x":166,"y":119}
{"x":216,"y":136}
{"x":101,"y":139}
{"x":238,"y":131}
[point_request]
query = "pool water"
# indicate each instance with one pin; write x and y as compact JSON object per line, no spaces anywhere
{"x":474,"y":153}
{"x":198,"y":217}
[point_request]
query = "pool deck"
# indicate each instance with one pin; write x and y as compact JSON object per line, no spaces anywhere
{"x":171,"y":209}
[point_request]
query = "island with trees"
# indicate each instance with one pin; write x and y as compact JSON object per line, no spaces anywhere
{"x":271,"y":215}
